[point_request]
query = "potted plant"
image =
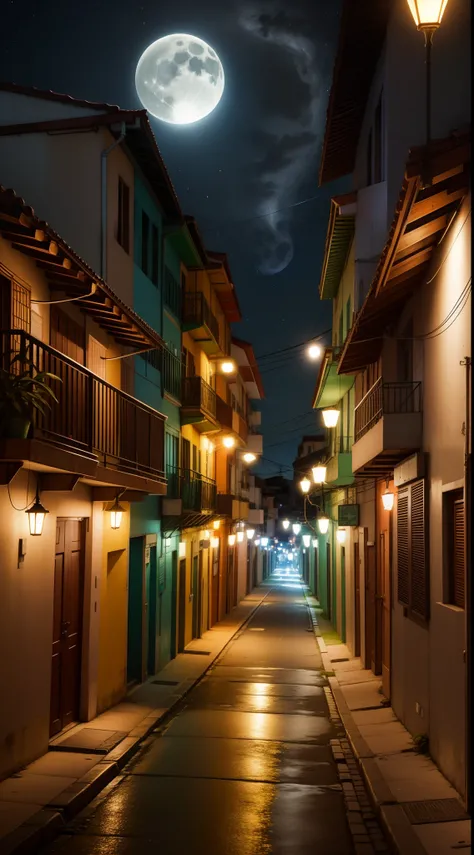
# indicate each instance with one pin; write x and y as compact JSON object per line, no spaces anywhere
{"x":23,"y":389}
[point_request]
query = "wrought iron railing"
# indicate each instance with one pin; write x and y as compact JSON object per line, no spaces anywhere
{"x":91,"y":416}
{"x":197,"y":492}
{"x":172,"y":373}
{"x":197,"y":394}
{"x":197,"y":313}
{"x":384,"y":399}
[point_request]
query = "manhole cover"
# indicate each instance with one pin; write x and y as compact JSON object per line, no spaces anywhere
{"x":89,"y":740}
{"x":434,"y":810}
{"x":198,"y":652}
{"x":165,"y":682}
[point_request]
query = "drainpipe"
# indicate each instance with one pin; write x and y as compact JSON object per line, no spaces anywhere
{"x":467,"y":564}
{"x":103,"y":230}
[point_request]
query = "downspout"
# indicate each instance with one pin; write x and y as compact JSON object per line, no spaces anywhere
{"x":103,"y":230}
{"x":467,"y":565}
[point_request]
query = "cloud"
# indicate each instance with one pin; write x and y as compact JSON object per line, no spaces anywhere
{"x":291,"y":130}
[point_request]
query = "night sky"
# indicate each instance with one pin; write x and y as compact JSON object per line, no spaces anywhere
{"x":256,"y":154}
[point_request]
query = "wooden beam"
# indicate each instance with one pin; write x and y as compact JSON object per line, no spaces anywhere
{"x":416,"y":233}
{"x":444,"y":161}
{"x":53,"y":482}
{"x":413,"y":261}
{"x":8,"y":470}
{"x":437,"y":202}
{"x":429,"y":242}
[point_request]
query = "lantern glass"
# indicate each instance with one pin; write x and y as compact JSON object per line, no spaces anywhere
{"x":257,"y":542}
{"x":231,"y":539}
{"x":116,"y":514}
{"x":341,"y":535}
{"x":250,"y":533}
{"x":315,"y":542}
{"x":323,"y":524}
{"x":216,"y":524}
{"x":296,"y":528}
{"x":215,"y":542}
{"x":249,"y":457}
{"x":306,"y":539}
{"x":427,"y":14}
{"x":305,"y":484}
{"x":319,"y":474}
{"x":240,"y":536}
{"x":182,"y":549}
{"x":388,"y":499}
{"x":286,"y":524}
{"x":36,"y":516}
{"x":264,"y":541}
{"x":228,"y":441}
{"x":330,"y":417}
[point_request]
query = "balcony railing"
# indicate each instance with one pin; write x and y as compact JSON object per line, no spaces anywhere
{"x":384,"y":399}
{"x":198,"y":395}
{"x":172,"y":374}
{"x":197,"y":313}
{"x":197,"y":492}
{"x":91,"y":416}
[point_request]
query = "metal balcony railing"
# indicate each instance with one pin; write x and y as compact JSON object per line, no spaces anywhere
{"x":197,"y":394}
{"x":172,"y":374}
{"x":198,"y":493}
{"x":385,"y":399}
{"x":197,"y":313}
{"x":91,"y":416}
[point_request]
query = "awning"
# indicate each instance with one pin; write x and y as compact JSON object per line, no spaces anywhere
{"x":330,"y":386}
{"x":339,"y":238}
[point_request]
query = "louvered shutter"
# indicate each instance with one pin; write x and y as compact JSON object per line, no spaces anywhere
{"x":403,"y":573}
{"x":419,"y":601}
{"x":161,"y":573}
{"x":458,"y":554}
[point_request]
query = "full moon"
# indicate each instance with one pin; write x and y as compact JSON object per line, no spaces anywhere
{"x":179,"y":79}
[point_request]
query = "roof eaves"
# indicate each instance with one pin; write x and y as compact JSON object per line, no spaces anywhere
{"x":50,"y":95}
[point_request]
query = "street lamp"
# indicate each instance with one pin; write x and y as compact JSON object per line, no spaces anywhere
{"x":36,"y":515}
{"x":319,"y":474}
{"x":286,"y":524}
{"x":388,"y":499}
{"x":427,"y":15}
{"x":228,"y":441}
{"x":323,"y":524}
{"x":250,"y":533}
{"x":306,"y":539}
{"x":116,"y":513}
{"x":296,"y":528}
{"x":227,"y":367}
{"x":305,"y":485}
{"x":264,"y":541}
{"x":249,"y":457}
{"x":330,"y":417}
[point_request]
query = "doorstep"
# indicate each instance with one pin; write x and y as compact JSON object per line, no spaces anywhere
{"x":42,"y":797}
{"x":400,"y":782}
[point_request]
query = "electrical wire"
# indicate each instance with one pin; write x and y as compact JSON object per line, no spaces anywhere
{"x":265,"y":216}
{"x":28,"y":502}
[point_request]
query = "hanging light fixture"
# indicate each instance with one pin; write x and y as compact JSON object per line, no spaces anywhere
{"x":315,"y":542}
{"x":249,"y":457}
{"x":427,"y":13}
{"x":388,"y":498}
{"x":216,"y":524}
{"x":323,"y":524}
{"x":305,"y":485}
{"x":264,"y":541}
{"x":250,"y":533}
{"x":341,"y":535}
{"x":231,"y":539}
{"x":215,"y":542}
{"x":296,"y":528}
{"x":240,"y":536}
{"x":330,"y":417}
{"x":228,"y":441}
{"x":36,"y":515}
{"x":306,"y":539}
{"x":257,"y":542}
{"x":319,"y":474}
{"x":286,"y":524}
{"x":182,"y":549}
{"x":116,"y":514}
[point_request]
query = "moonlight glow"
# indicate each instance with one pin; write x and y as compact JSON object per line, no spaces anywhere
{"x":179,"y":79}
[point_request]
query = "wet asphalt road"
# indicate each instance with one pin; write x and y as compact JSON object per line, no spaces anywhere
{"x":243,"y":768}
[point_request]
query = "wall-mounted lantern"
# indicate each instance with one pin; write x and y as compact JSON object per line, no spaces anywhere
{"x":323,"y":524}
{"x":36,"y":515}
{"x":319,"y":474}
{"x":116,"y":514}
{"x":330,"y":417}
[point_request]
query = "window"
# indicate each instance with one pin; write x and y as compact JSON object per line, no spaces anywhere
{"x":378,"y":143}
{"x":154,"y":254}
{"x":145,"y":242}
{"x":66,"y":335}
{"x":454,"y":566}
{"x":171,"y":293}
{"x":412,"y":563}
{"x":123,"y":219}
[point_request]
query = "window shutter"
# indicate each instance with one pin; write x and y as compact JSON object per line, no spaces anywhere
{"x":402,"y":548}
{"x":458,"y":554}
{"x":419,"y":593}
{"x":161,"y":573}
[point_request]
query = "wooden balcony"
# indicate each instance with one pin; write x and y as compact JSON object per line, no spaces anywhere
{"x":95,"y":430}
{"x":199,"y":405}
{"x":387,"y":427}
{"x":202,"y":324}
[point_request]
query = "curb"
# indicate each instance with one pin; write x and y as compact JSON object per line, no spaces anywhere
{"x":41,"y":828}
{"x":400,"y":835}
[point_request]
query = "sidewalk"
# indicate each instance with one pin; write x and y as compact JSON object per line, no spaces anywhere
{"x":36,"y":802}
{"x":405,"y":787}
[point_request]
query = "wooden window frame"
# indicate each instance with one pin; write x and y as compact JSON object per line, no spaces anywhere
{"x":413,"y":574}
{"x":450,"y":499}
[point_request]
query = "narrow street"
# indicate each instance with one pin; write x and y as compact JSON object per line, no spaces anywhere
{"x":244,"y":767}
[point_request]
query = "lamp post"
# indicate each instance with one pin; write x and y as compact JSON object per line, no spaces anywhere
{"x":427,"y":15}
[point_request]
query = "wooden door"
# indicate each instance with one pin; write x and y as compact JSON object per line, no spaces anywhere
{"x":328,"y":580}
{"x":316,"y":572}
{"x":215,"y":586}
{"x":370,"y":591}
{"x":230,"y":579}
{"x":182,"y":605}
{"x":67,"y":624}
{"x":356,"y":600}
{"x":385,"y":601}
{"x":196,"y":597}
{"x":174,"y":602}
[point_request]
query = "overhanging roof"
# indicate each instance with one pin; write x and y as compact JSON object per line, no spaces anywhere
{"x":248,"y":368}
{"x":68,"y":273}
{"x":361,"y":37}
{"x":339,"y":237}
{"x":330,"y":386}
{"x":422,"y":216}
{"x":221,"y":278}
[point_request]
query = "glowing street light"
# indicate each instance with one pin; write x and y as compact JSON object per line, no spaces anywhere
{"x":314,"y":351}
{"x":250,"y":533}
{"x":228,"y":441}
{"x":323,"y":524}
{"x":306,"y":539}
{"x":248,"y":457}
{"x":305,"y":485}
{"x":296,"y":528}
{"x":388,"y":499}
{"x":330,"y":417}
{"x":227,"y":367}
{"x":286,"y":524}
{"x":319,"y":474}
